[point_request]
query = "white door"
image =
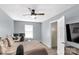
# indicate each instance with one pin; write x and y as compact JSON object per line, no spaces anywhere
{"x":54,"y":34}
{"x":61,"y":36}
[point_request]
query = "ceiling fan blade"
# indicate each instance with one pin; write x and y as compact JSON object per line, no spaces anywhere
{"x":26,"y":14}
{"x":30,"y":9}
{"x":40,"y":14}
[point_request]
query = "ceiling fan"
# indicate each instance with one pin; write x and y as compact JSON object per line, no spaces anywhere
{"x":33,"y":12}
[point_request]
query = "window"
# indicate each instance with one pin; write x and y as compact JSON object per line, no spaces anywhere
{"x":28,"y":31}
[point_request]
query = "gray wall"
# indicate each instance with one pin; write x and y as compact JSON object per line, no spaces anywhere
{"x":6,"y":24}
{"x":71,"y":16}
{"x":46,"y":30}
{"x":19,"y":28}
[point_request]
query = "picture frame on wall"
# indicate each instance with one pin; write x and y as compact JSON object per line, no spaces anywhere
{"x":76,"y":30}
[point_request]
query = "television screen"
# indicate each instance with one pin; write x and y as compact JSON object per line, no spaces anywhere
{"x":68,"y":32}
{"x":15,"y":34}
{"x":72,"y":31}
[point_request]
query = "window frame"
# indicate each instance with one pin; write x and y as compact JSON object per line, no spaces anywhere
{"x":29,"y":31}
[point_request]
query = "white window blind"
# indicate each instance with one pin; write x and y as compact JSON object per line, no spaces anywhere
{"x":28,"y":31}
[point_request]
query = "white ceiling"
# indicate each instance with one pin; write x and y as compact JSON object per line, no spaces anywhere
{"x":16,"y":11}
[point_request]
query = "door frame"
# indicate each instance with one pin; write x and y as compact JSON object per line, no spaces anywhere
{"x":57,"y":20}
{"x":61,"y":36}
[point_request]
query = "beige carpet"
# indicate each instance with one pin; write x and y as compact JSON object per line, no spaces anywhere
{"x":34,"y":44}
{"x":37,"y":45}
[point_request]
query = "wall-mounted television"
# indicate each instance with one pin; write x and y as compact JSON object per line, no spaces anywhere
{"x":15,"y":34}
{"x":72,"y":31}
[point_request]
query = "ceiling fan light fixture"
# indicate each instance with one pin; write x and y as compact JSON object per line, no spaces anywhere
{"x":33,"y":16}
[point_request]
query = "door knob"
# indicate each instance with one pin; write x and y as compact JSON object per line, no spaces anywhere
{"x":63,"y":42}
